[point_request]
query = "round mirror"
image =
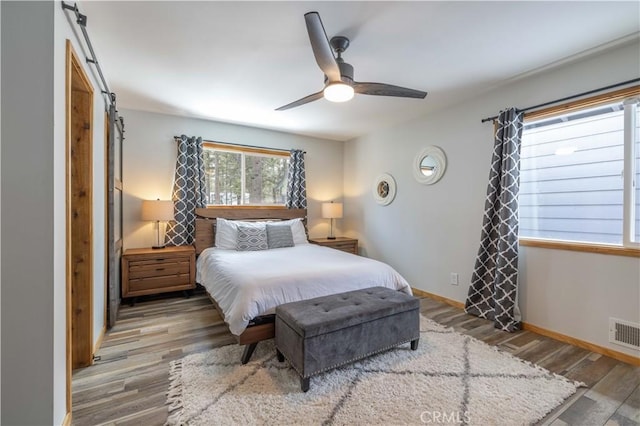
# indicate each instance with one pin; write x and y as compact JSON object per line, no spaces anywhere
{"x":384,"y":189}
{"x":429,"y":165}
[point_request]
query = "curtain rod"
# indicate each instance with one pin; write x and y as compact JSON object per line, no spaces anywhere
{"x":612,"y":86}
{"x":246,"y":146}
{"x":81,"y":20}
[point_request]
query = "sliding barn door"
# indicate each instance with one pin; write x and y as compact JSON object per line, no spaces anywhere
{"x":114,"y":207}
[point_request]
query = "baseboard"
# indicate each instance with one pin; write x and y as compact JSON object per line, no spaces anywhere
{"x":67,"y":419}
{"x":446,"y":300}
{"x":620,"y":356}
{"x":100,"y":338}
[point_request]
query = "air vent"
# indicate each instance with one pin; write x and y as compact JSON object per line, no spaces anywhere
{"x":624,"y":333}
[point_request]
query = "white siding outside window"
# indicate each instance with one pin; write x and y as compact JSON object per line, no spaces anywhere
{"x":636,"y":183}
{"x":571,"y":180}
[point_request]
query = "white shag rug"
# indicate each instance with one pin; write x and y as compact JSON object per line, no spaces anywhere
{"x":450,"y":379}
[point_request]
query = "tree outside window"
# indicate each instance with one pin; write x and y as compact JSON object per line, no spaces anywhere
{"x":245,"y":177}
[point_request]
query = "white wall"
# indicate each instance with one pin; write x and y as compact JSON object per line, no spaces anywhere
{"x":28,"y":211}
{"x":67,"y":29}
{"x":33,"y":211}
{"x":149,"y":156}
{"x":430,"y":231}
{"x":0,"y":214}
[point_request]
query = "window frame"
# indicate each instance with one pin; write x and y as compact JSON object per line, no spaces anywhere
{"x":227,"y":147}
{"x":628,"y":248}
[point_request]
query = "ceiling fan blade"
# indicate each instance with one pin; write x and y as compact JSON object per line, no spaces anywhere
{"x":305,"y":100}
{"x":321,"y":47}
{"x":381,"y":89}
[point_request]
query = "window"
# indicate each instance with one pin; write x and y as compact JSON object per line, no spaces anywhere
{"x":573,"y":186}
{"x":245,"y":176}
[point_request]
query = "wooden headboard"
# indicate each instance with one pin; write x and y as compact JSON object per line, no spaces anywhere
{"x":206,"y":220}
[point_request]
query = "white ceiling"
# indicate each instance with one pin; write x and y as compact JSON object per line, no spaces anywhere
{"x":238,"y":61}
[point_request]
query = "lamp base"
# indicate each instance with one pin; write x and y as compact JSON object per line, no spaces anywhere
{"x":158,"y":247}
{"x":331,"y":238}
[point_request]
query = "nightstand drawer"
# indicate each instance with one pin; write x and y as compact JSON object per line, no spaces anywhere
{"x":135,"y":261}
{"x":159,"y":283}
{"x":144,"y":269}
{"x":350,"y":245}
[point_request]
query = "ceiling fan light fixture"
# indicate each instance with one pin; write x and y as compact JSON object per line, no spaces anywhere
{"x":338,"y":73}
{"x":338,"y":92}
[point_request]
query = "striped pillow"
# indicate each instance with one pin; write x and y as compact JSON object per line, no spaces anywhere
{"x":251,"y":238}
{"x":279,"y":236}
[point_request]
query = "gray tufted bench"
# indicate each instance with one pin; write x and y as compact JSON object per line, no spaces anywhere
{"x":319,"y":334}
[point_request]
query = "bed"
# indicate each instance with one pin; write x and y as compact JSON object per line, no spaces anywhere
{"x":246,"y":286}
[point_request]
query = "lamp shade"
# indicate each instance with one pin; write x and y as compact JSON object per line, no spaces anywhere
{"x":161,"y":210}
{"x":331,"y":210}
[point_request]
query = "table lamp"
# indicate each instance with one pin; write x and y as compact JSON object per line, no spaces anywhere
{"x":331,"y":211}
{"x":157,"y":211}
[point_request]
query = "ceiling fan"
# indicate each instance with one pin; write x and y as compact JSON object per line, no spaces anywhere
{"x":339,"y":85}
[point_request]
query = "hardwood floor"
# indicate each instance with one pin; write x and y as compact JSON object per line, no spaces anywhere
{"x":128,"y":384}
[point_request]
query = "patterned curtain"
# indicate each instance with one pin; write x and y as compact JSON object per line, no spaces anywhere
{"x":188,"y":191}
{"x":297,"y":182}
{"x":494,"y":283}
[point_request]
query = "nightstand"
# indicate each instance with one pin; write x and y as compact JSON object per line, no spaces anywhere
{"x":350,"y":245}
{"x":150,"y":271}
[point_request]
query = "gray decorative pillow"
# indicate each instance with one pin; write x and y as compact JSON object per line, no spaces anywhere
{"x":279,"y":236}
{"x":251,"y":238}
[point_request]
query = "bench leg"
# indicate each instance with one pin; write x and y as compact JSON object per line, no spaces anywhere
{"x":248,"y":351}
{"x":304,"y":383}
{"x":414,"y":344}
{"x":280,"y":356}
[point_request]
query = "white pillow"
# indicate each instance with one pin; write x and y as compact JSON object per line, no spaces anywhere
{"x":227,"y":231}
{"x":226,"y":234}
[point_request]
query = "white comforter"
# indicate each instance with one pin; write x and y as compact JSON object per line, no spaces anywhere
{"x":246,"y":284}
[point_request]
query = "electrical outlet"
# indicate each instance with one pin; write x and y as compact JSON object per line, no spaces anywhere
{"x":453,"y":280}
